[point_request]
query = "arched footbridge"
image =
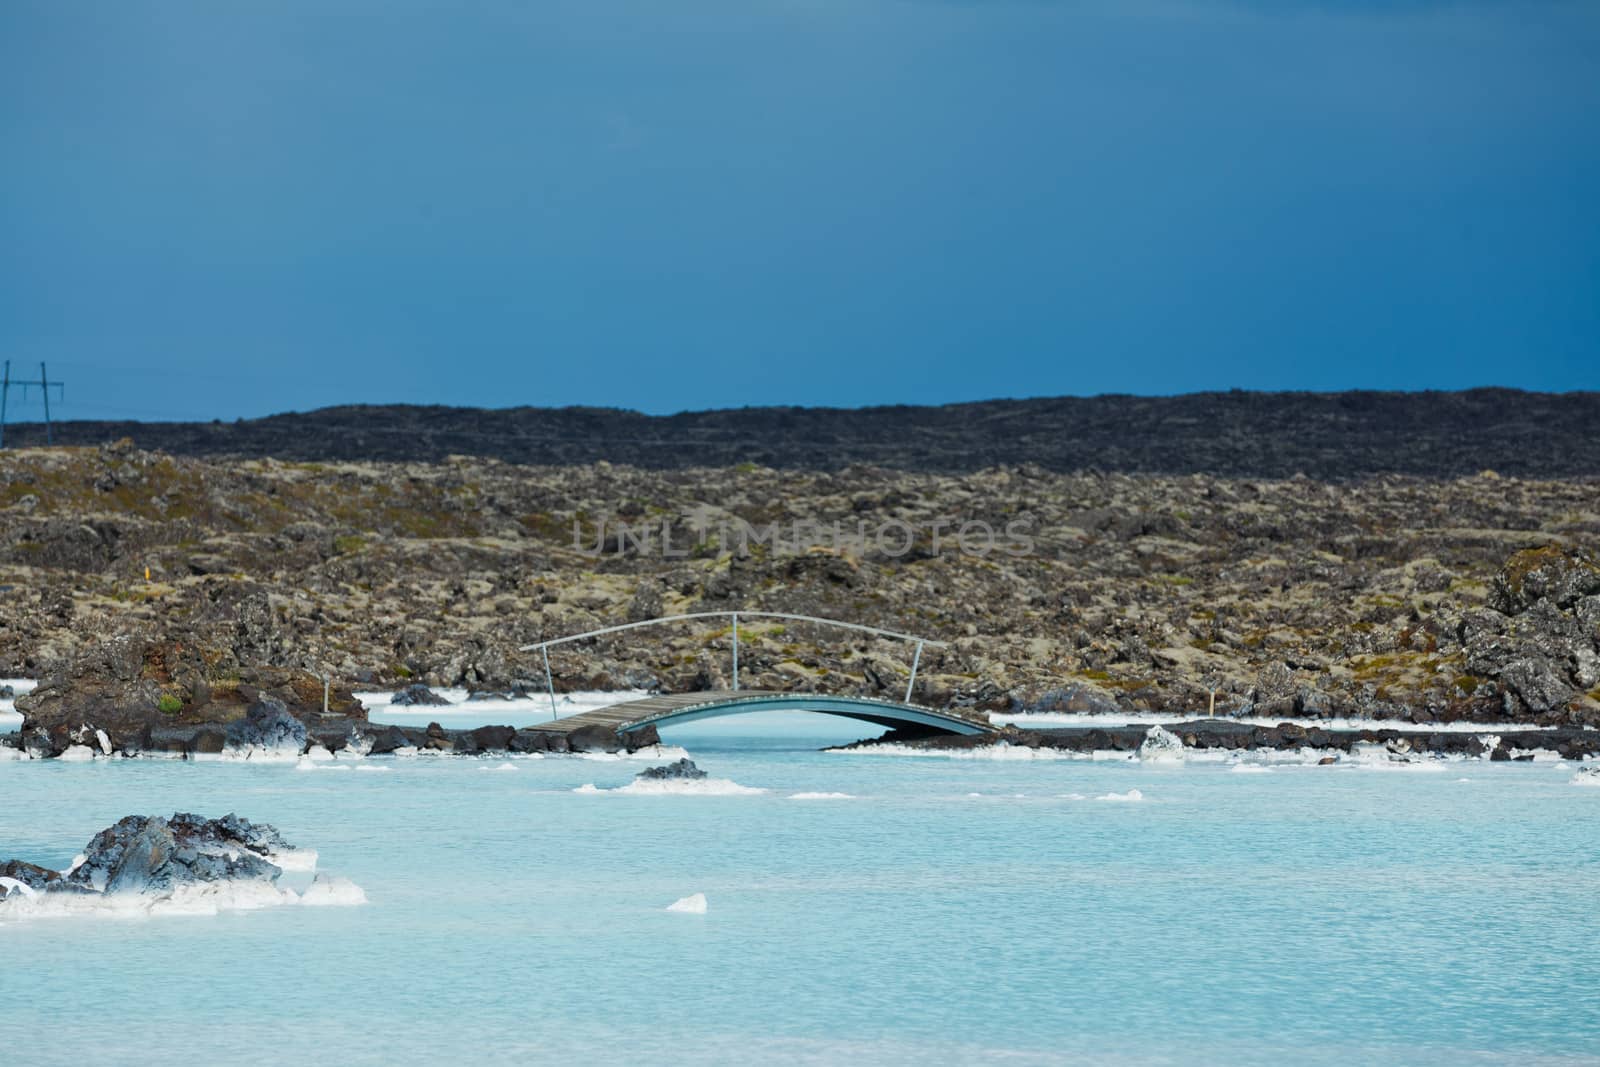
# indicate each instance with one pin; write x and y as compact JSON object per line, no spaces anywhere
{"x":670,"y":708}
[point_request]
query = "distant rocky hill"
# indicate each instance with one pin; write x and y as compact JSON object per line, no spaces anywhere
{"x":1326,"y":436}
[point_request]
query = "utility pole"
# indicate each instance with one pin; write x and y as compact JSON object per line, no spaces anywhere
{"x":44,"y":385}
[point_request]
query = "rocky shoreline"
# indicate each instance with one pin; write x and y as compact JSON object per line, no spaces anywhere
{"x":1201,"y":735}
{"x":269,"y":731}
{"x":175,"y":591}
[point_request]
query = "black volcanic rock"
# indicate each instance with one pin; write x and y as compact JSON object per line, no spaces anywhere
{"x":269,"y":725}
{"x":154,"y":856}
{"x":683,"y":769}
{"x":214,"y":582}
{"x":1334,"y":436}
{"x":174,"y":694}
{"x":595,"y":737}
{"x":418,"y":696}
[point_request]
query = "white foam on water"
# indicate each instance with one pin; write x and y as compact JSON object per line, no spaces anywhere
{"x":294,"y":859}
{"x":326,"y":891}
{"x":659,"y":752}
{"x":649,"y":752}
{"x":1249,"y":768}
{"x":76,"y":754}
{"x":10,"y":717}
{"x":1374,"y":757}
{"x":683,"y":787}
{"x":822,"y":796}
{"x":1589,"y":776}
{"x":212,"y":898}
{"x":318,"y":754}
{"x":12,"y":885}
{"x":694,"y":904}
{"x":1116,"y":719}
{"x":1000,"y":750}
{"x":1412,"y":766}
{"x":209,"y":898}
{"x":381,"y":709}
{"x":255,"y":754}
{"x":1130,"y":797}
{"x":8,"y":754}
{"x":500,"y":767}
{"x":344,"y":768}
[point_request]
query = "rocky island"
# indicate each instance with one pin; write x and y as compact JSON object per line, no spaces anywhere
{"x":185,"y":863}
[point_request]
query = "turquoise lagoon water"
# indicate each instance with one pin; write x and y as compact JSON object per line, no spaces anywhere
{"x":946,"y":911}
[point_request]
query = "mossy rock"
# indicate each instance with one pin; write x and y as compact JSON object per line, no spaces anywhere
{"x":1556,"y":573}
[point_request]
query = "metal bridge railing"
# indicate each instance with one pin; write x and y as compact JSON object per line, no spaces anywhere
{"x":545,"y":646}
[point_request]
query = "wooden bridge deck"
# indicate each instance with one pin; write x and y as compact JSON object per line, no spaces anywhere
{"x":682,"y":707}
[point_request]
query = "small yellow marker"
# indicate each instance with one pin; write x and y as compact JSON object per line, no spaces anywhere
{"x":147,"y":574}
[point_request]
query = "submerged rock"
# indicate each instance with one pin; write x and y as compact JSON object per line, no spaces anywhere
{"x":683,"y":769}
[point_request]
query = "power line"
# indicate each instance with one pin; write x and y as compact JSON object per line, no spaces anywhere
{"x":43,"y":384}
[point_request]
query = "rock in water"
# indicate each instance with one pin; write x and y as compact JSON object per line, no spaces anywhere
{"x":154,"y":856}
{"x":416,"y":696}
{"x":147,"y":854}
{"x":27,"y":874}
{"x":682,"y":769}
{"x":1159,"y":744}
{"x":268,"y":725}
{"x":186,"y":864}
{"x":596,"y":737}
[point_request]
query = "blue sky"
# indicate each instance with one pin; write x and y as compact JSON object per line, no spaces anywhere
{"x":212,"y":208}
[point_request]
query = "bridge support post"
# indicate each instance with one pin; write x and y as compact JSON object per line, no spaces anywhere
{"x":549,"y":684}
{"x":912,"y":681}
{"x":736,"y":651}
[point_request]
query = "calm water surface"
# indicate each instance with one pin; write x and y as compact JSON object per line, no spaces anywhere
{"x":948,"y":911}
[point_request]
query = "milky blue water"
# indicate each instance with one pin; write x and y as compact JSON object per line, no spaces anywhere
{"x":1324,"y":915}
